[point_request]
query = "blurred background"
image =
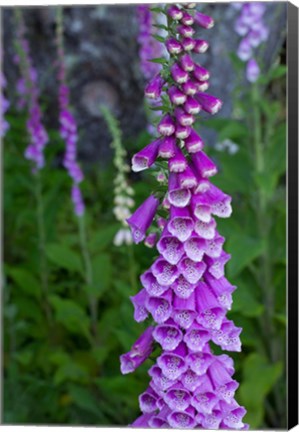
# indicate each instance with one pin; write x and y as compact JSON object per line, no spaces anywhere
{"x":61,"y":357}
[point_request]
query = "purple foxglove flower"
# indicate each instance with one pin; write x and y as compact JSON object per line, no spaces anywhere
{"x":209,"y":103}
{"x":160,"y":420}
{"x":200,"y":73}
{"x":199,"y":362}
{"x":154,"y":88}
{"x":166,"y":127}
{"x":169,"y":336}
{"x":183,"y":117}
{"x":165,"y":273}
{"x":142,"y":218}
{"x":151,"y":285}
{"x":191,"y":270}
{"x":139,"y":352}
{"x":227,"y":337}
{"x":233,"y":419}
{"x":138,"y":301}
{"x":178,"y":162}
{"x":178,"y":74}
{"x":167,"y":148}
{"x":204,"y":165}
{"x":188,"y":44}
{"x":214,"y":246}
{"x":201,"y":46}
{"x":172,"y":364}
{"x":191,"y":106}
{"x":170,"y":248}
{"x":216,"y":265}
{"x":187,"y":19}
{"x":244,"y":50}
{"x":176,"y":96}
{"x":177,"y":398}
{"x":252,"y":71}
{"x":206,"y":230}
{"x":177,"y":196}
{"x":181,"y":223}
{"x":142,"y":421}
{"x":184,"y":310}
{"x":185,"y":289}
{"x":151,"y":240}
{"x":182,"y":288}
{"x":241,"y":27}
{"x":146,"y":157}
{"x":194,"y":142}
{"x":203,"y":185}
{"x":181,"y":420}
{"x":191,"y":380}
{"x":219,"y":286}
{"x":175,"y":13}
{"x":201,"y":211}
{"x":187,"y":178}
{"x":202,"y":86}
{"x":195,"y":247}
{"x":160,"y":307}
{"x":196,"y":337}
{"x":182,"y":132}
{"x":224,"y":385}
{"x":148,"y":401}
{"x":186,"y":31}
{"x":189,"y":88}
{"x":210,"y":314}
{"x":174,"y":46}
{"x":210,"y":421}
{"x":77,"y":200}
{"x":204,"y":21}
{"x":187,"y":63}
{"x":159,"y":379}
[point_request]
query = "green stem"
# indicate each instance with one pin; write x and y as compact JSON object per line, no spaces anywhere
{"x":43,"y":267}
{"x":93,"y":306}
{"x":263,"y":224}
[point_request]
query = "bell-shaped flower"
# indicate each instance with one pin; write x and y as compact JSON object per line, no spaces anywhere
{"x":142,"y":218}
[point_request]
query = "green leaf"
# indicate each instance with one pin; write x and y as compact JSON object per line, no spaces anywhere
{"x":161,"y":26}
{"x":259,"y":377}
{"x":70,"y":315}
{"x":159,"y":38}
{"x":244,"y":300}
{"x":159,"y":60}
{"x":244,"y":250}
{"x":102,"y":272}
{"x":26,"y":281}
{"x":82,"y":398}
{"x":157,"y":10}
{"x":64,"y":257}
{"x":103,"y":237}
{"x":70,"y":371}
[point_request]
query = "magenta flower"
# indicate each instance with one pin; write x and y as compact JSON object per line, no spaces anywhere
{"x":185,"y":291}
{"x":28,"y":91}
{"x":139,"y":352}
{"x":251,"y":27}
{"x":4,"y":126}
{"x":68,"y":125}
{"x":143,"y":217}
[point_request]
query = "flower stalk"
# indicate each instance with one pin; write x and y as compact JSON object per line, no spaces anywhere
{"x":185,"y":290}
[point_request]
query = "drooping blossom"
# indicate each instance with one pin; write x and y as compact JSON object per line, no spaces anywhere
{"x":250,"y":26}
{"x":29,"y":92}
{"x":4,"y":126}
{"x":68,"y":124}
{"x":185,"y":291}
{"x":123,"y":192}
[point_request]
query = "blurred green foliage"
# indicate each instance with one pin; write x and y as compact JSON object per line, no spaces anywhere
{"x":58,"y":367}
